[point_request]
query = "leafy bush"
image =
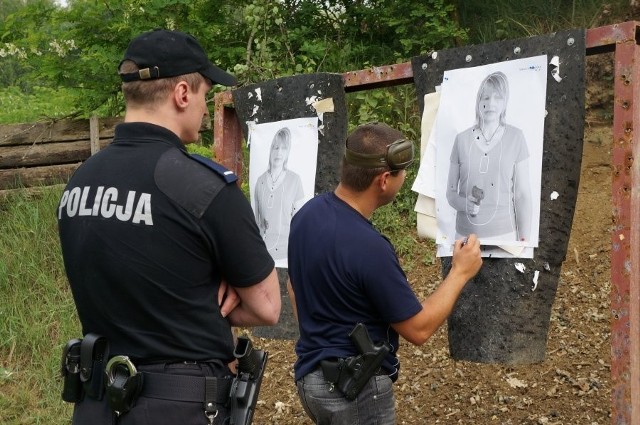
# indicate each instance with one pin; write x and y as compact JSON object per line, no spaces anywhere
{"x":200,"y":150}
{"x":18,"y":106}
{"x":506,"y":19}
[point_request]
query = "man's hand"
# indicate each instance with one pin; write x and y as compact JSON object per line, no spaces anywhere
{"x":466,"y":257}
{"x":228,"y":298}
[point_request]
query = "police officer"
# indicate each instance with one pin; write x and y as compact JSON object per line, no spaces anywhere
{"x":161,"y":249}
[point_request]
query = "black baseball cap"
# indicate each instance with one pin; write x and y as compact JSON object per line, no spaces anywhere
{"x":163,"y":53}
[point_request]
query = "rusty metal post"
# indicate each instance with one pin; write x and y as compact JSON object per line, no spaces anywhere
{"x":625,"y":232}
{"x":623,"y":39}
{"x":377,"y":77}
{"x":227,"y":135}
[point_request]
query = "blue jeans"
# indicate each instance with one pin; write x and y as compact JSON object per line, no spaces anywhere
{"x":373,"y":406}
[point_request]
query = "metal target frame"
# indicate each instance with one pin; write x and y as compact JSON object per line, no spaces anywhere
{"x":623,"y":40}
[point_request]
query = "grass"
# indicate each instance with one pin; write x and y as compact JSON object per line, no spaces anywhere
{"x":37,"y":314}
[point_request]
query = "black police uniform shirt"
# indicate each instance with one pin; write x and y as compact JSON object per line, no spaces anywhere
{"x":147,"y":232}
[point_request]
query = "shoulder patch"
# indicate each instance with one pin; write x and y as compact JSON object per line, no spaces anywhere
{"x":228,"y":175}
{"x":186,"y":182}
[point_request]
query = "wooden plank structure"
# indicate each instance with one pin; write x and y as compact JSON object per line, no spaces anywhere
{"x":624,"y":41}
{"x":49,"y":152}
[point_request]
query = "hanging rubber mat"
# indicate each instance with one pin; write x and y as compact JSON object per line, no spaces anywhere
{"x":296,"y":97}
{"x":502,"y":316}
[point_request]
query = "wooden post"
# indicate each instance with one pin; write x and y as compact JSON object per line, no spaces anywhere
{"x":94,"y":134}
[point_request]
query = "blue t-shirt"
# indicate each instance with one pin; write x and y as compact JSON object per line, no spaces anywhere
{"x":343,"y":271}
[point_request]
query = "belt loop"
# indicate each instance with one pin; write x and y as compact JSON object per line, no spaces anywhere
{"x":210,"y":398}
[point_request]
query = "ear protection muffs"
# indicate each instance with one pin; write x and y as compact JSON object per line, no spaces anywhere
{"x":399,"y":155}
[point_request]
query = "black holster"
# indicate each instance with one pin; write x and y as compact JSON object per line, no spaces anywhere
{"x":124,"y":384}
{"x":70,"y":372}
{"x":94,"y":352}
{"x":351,"y":374}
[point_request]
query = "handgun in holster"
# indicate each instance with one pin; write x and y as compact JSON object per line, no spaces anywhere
{"x":246,"y":385}
{"x":350,"y":375}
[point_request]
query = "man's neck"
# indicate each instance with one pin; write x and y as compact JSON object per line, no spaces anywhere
{"x":362,"y":202}
{"x":151,"y":116}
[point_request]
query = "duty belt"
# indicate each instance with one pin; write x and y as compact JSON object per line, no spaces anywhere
{"x":84,"y":374}
{"x":186,"y":388}
{"x":125,"y":384}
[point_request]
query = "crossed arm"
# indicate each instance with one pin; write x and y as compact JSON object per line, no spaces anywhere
{"x":256,"y":305}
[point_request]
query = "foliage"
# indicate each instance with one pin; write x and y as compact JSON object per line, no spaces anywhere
{"x":394,"y":106}
{"x":505,"y":19}
{"x":79,"y":46}
{"x":200,"y":150}
{"x":41,"y":102}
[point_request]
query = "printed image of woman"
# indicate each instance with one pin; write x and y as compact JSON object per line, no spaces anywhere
{"x":278,"y":195}
{"x":488,"y":182}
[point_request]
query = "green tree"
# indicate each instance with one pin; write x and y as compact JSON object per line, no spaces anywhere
{"x":79,"y":46}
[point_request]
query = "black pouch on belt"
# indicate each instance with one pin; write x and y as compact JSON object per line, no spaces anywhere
{"x":94,"y":351}
{"x":70,"y":372}
{"x":124,"y":384}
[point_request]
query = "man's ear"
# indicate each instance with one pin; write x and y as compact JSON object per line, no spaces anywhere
{"x":181,"y":93}
{"x":381,"y":180}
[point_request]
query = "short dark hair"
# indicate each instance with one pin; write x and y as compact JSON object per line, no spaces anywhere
{"x":372,"y":138}
{"x":147,"y":92}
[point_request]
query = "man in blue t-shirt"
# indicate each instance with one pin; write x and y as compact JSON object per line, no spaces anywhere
{"x":344,"y":272}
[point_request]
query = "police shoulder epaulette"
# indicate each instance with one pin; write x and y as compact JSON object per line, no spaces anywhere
{"x":228,"y":175}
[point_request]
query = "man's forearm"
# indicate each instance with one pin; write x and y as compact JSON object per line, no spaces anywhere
{"x":439,"y":304}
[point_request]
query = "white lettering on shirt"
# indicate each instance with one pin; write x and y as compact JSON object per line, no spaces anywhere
{"x":143,"y":210}
{"x":106,"y":203}
{"x":96,"y":201}
{"x":108,"y":209}
{"x":83,"y":202}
